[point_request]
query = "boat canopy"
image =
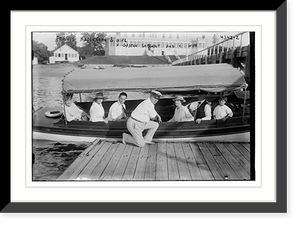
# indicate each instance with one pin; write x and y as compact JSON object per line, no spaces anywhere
{"x":209,"y":77}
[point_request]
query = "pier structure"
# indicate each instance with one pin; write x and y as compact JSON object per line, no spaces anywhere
{"x":161,"y":161}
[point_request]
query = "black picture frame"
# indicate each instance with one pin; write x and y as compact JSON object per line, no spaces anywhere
{"x":280,"y":206}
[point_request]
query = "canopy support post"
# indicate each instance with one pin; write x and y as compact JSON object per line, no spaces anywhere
{"x":243,"y":118}
{"x":65,"y":110}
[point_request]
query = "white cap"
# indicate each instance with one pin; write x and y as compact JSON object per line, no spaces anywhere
{"x":156,"y":92}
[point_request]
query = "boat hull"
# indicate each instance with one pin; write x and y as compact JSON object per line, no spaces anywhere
{"x":233,"y":130}
{"x":237,"y":137}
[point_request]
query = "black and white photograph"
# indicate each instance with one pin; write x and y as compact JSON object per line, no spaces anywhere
{"x":145,"y":111}
{"x":143,"y":105}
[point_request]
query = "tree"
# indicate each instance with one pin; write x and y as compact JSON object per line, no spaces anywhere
{"x":40,"y":50}
{"x":93,"y":44}
{"x":66,"y":38}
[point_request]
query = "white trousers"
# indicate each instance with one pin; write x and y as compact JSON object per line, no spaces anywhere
{"x":136,"y":129}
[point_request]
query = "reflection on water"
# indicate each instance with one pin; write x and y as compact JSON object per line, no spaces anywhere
{"x":52,"y":158}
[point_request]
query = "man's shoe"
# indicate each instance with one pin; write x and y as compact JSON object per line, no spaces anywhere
{"x":149,"y":142}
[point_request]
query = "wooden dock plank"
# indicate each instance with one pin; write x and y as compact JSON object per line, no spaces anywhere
{"x":79,"y":168}
{"x":183,"y":168}
{"x":211,"y":162}
{"x":150,"y":170}
{"x":141,"y":164}
{"x":98,"y":170}
{"x":132,"y":163}
{"x":111,"y":166}
{"x":172,"y":163}
{"x":233,"y":163}
{"x":191,"y":162}
{"x":86,"y":172}
{"x":122,"y":164}
{"x":162,"y":162}
{"x":242,"y":150}
{"x":246,"y":145}
{"x":78,"y":161}
{"x":238,"y":156}
{"x":202,"y":165}
{"x":228,"y":172}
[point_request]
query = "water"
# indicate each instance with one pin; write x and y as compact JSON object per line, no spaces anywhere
{"x":52,"y":158}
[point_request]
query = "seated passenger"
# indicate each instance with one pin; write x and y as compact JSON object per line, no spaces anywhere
{"x":117,"y":110}
{"x":222,"y":111}
{"x":201,"y":109}
{"x":71,"y":111}
{"x":97,"y":111}
{"x":181,"y":113}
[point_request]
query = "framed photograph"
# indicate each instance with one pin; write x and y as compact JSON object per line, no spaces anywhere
{"x":134,"y":116}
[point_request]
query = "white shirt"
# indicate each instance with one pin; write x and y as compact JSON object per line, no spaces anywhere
{"x":72,"y":112}
{"x":222,"y":111}
{"x":207,"y":109}
{"x":115,"y":111}
{"x":97,"y":112}
{"x":144,"y":111}
{"x":182,"y":114}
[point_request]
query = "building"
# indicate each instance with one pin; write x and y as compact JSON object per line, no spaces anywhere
{"x":35,"y":60}
{"x":153,"y":43}
{"x":64,"y":54}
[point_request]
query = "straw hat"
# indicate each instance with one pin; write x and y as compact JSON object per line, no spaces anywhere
{"x":100,"y":96}
{"x":179,"y":97}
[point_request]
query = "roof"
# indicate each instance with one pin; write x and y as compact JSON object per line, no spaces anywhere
{"x":115,"y":59}
{"x":67,"y":46}
{"x":210,"y":77}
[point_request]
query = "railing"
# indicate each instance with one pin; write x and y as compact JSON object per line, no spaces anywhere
{"x":218,"y":52}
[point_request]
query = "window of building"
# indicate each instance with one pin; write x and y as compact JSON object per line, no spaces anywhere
{"x":59,"y":55}
{"x":177,"y":36}
{"x":163,"y":35}
{"x":75,"y":55}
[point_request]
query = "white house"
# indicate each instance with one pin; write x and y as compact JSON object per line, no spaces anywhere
{"x":64,"y":53}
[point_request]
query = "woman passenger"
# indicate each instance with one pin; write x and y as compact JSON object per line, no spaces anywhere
{"x":97,"y":111}
{"x":181,"y":114}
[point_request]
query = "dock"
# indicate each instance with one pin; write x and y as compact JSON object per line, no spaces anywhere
{"x":162,"y":161}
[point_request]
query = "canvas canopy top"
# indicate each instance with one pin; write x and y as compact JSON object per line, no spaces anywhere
{"x":210,"y":78}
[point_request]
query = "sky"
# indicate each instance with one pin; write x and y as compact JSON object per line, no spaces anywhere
{"x":48,"y":38}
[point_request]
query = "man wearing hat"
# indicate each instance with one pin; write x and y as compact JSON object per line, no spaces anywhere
{"x":181,"y":113}
{"x":97,"y":111}
{"x":201,"y":109}
{"x":142,"y":119}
